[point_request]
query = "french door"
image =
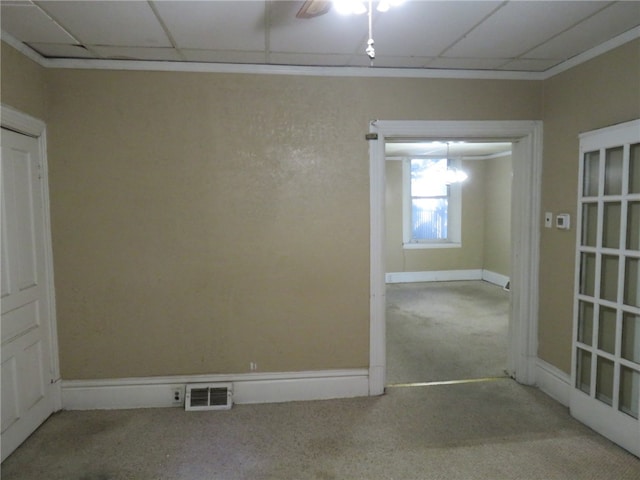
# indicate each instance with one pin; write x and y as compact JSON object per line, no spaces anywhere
{"x":606,"y":344}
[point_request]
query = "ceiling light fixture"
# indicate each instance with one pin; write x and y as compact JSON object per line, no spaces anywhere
{"x":347,"y":7}
{"x":453,"y":175}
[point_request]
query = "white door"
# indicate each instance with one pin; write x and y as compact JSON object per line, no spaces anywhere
{"x":606,"y":346}
{"x":27,"y":390}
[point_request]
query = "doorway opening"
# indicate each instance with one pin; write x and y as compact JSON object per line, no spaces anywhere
{"x":447,"y":257}
{"x":526,"y":140}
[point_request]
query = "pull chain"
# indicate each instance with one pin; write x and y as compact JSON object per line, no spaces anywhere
{"x":371,"y":52}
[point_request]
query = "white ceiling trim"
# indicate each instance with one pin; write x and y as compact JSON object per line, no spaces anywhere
{"x":594,"y":52}
{"x":169,"y":66}
{"x":22,"y":48}
{"x":290,"y":70}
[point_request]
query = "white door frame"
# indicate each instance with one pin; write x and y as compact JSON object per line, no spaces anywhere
{"x":17,"y":121}
{"x":525,"y":233}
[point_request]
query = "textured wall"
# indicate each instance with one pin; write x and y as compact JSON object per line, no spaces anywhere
{"x":596,"y":94}
{"x":497,"y":215}
{"x":24,"y":84}
{"x":202,"y":221}
{"x":205,"y":221}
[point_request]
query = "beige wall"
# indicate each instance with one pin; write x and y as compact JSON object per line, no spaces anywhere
{"x":497,"y":216}
{"x":204,"y":221}
{"x":23,"y":85}
{"x":395,"y":260}
{"x":201,"y":222}
{"x":598,"y":93}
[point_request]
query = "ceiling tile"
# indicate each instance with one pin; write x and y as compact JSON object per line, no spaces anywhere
{"x":331,"y":33}
{"x":140,"y":53}
{"x":219,"y":25}
{"x":126,"y":24}
{"x":437,"y":34}
{"x":525,"y":25}
{"x":53,"y":50}
{"x":28,"y":23}
{"x":610,"y":22}
{"x":426,"y":28}
{"x":225,"y":56}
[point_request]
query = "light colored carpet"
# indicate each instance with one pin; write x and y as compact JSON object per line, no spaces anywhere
{"x":446,"y":331}
{"x":494,"y":430}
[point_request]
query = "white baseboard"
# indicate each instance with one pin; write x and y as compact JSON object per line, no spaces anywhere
{"x":553,"y":381}
{"x":495,"y":278}
{"x":247,"y":388}
{"x":447,"y":276}
{"x":434,"y":276}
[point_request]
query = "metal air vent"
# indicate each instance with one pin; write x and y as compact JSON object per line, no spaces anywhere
{"x":208,"y":396}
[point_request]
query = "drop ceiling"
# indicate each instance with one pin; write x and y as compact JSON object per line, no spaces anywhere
{"x":503,"y":36}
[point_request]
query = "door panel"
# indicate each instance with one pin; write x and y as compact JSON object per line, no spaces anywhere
{"x":606,"y":346}
{"x":25,"y":330}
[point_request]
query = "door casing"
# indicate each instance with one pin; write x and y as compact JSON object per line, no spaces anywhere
{"x":526,"y":137}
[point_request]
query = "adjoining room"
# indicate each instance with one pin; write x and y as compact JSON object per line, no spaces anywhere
{"x":448,"y":245}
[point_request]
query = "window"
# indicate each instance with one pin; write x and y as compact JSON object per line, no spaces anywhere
{"x":432,"y":203}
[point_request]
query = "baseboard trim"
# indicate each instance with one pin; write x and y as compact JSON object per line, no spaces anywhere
{"x":433,"y":276}
{"x":495,"y":278}
{"x":149,"y":392}
{"x":447,"y":276}
{"x":553,"y":381}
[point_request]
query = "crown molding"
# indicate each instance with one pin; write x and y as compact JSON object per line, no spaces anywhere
{"x":23,"y":49}
{"x":259,"y":69}
{"x":596,"y":51}
{"x":363,"y":72}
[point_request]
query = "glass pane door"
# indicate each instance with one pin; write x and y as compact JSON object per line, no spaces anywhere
{"x":606,"y":356}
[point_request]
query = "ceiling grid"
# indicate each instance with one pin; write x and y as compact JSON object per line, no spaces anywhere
{"x":525,"y":38}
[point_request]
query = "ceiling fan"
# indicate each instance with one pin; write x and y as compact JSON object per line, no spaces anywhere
{"x":314,"y":8}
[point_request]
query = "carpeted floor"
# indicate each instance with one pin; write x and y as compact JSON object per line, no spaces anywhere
{"x":446,"y":331}
{"x":489,"y":430}
{"x":494,"y":430}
